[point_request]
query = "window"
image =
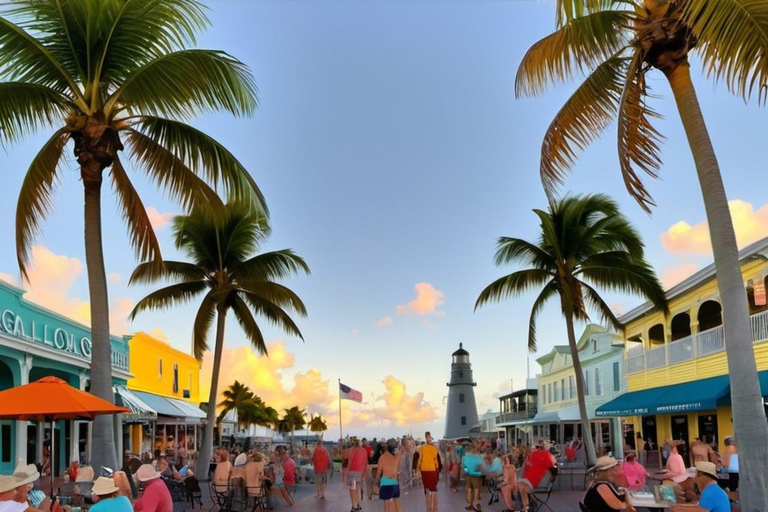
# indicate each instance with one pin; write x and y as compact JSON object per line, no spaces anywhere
{"x":572,"y":385}
{"x":461,"y":398}
{"x":595,"y":345}
{"x":549,"y":392}
{"x":598,"y":382}
{"x":461,"y":374}
{"x":555,"y":383}
{"x":5,"y":442}
{"x":616,"y":377}
{"x":160,"y":368}
{"x":586,"y":383}
{"x":562,"y":389}
{"x":175,"y":378}
{"x":463,"y":420}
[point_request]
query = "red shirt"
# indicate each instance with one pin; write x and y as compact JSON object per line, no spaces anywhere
{"x":290,"y":472}
{"x":156,"y":498}
{"x":358,"y":459}
{"x":537,"y":465}
{"x":369,"y":450}
{"x":321,"y":460}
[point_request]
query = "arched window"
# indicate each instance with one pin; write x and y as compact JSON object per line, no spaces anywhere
{"x":710,"y":315}
{"x":656,"y":334}
{"x":680,"y":326}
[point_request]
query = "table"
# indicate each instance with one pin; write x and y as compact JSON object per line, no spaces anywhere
{"x":646,"y":500}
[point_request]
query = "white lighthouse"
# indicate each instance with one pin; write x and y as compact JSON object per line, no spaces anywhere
{"x":461,"y":410}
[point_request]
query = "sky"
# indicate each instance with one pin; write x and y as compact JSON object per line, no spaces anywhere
{"x":393,"y":152}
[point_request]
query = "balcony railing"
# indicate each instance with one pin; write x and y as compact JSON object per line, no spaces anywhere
{"x":694,"y":346}
{"x":506,"y":417}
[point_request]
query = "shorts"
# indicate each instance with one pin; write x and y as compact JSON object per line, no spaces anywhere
{"x":388,"y":492}
{"x":474,"y":482}
{"x":527,"y":483}
{"x":429,"y":479}
{"x":321,"y":478}
{"x":354,"y":479}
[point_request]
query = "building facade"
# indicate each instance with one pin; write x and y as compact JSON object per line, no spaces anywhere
{"x":461,"y":409}
{"x":167,"y":381}
{"x":36,"y":343}
{"x":677,"y":372}
{"x":601,"y":355}
{"x":516,"y":411}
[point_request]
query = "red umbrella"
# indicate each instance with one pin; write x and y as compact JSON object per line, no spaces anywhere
{"x":51,"y":399}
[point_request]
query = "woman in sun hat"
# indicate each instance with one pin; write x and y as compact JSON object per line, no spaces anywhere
{"x":14,"y":489}
{"x":110,"y":499}
{"x":604,"y":496}
{"x":156,"y":497}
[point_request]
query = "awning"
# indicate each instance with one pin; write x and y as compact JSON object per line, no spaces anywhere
{"x":697,"y":395}
{"x":190,"y":410}
{"x":160,"y":404}
{"x":140,"y":411}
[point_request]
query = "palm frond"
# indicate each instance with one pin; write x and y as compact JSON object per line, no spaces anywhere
{"x":275,"y":293}
{"x":638,"y":140}
{"x":733,"y":42}
{"x":248,"y":324}
{"x":509,"y":250}
{"x":626,"y":275}
{"x":27,"y":107}
{"x":272,"y":312}
{"x":36,"y":195}
{"x":142,"y":234}
{"x":181,"y":84}
{"x":585,"y":115}
{"x":175,"y":294}
{"x":203,"y":320}
{"x":513,"y":285}
{"x":170,"y":173}
{"x":271,"y":266}
{"x":549,"y":290}
{"x":23,"y":58}
{"x":582,"y":43}
{"x":203,"y":155}
{"x":148,"y":272}
{"x":595,"y":302}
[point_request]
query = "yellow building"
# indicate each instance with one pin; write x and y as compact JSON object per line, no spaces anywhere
{"x":677,"y":372}
{"x":167,"y":381}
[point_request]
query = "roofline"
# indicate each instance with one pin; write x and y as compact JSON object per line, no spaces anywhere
{"x":751,"y":251}
{"x":557,"y":349}
{"x":521,"y":392}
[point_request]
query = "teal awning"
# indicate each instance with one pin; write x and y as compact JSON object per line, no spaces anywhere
{"x":140,"y":411}
{"x":697,"y":395}
{"x":160,"y":404}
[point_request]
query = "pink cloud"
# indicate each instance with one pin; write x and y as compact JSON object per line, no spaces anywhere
{"x":673,"y":275}
{"x":384,"y":322}
{"x":114,"y":277}
{"x":426,"y":302}
{"x":8,"y":278}
{"x":402,"y":408}
{"x":157,"y":219}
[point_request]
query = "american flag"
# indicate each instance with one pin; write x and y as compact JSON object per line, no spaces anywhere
{"x":347,"y":393}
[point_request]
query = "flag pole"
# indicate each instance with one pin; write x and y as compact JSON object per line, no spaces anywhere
{"x":341,"y":432}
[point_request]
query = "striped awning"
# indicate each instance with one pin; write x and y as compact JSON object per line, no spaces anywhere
{"x":140,"y":411}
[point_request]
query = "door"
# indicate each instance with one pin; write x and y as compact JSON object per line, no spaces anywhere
{"x":708,"y":429}
{"x":651,"y":438}
{"x":6,"y":447}
{"x":680,"y":433}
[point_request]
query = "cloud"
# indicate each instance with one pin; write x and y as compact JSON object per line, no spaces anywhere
{"x":426,"y":302}
{"x":354,"y":331}
{"x":114,"y":277}
{"x":673,"y":275}
{"x":160,"y":335}
{"x":157,"y":219}
{"x":384,"y":322}
{"x":619,"y":307}
{"x":750,"y":225}
{"x":8,"y":278}
{"x":401,"y":408}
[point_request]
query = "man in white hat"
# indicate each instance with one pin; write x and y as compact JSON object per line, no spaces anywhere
{"x":14,"y":489}
{"x":156,"y":497}
{"x":109,"y":499}
{"x":713,"y":498}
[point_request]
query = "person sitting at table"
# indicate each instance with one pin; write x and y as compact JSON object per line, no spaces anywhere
{"x":537,"y":464}
{"x":254,"y":473}
{"x":634,"y":473}
{"x":490,"y":467}
{"x":122,"y":483}
{"x":107,"y":497}
{"x":713,"y":498}
{"x":508,"y":482}
{"x":156,"y":496}
{"x":221,"y":473}
{"x":603,"y":495}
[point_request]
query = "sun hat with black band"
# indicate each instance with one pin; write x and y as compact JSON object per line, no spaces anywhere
{"x":605,"y":463}
{"x":706,"y":467}
{"x":23,"y":474}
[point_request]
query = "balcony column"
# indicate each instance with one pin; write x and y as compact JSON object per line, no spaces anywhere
{"x":21,"y":426}
{"x":694,"y":341}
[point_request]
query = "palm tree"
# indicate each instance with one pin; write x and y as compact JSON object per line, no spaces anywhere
{"x":585,"y":241}
{"x":618,"y":42}
{"x":294,"y":419}
{"x":238,"y":397}
{"x":106,"y":75}
{"x":230,"y":278}
{"x":318,"y":424}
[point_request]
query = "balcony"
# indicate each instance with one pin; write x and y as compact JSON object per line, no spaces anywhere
{"x":697,"y":345}
{"x":507,"y":417}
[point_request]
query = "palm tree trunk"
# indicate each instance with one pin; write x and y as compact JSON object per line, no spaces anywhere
{"x":206,"y":449}
{"x":103,"y":447}
{"x":586,"y":430}
{"x":749,"y":422}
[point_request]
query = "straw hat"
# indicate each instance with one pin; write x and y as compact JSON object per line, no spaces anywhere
{"x":104,"y":485}
{"x":23,"y":474}
{"x":707,"y":468}
{"x":146,"y":473}
{"x":605,"y":462}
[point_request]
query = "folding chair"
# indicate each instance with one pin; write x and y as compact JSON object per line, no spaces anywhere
{"x":220,"y":498}
{"x":539,"y":499}
{"x":492,"y":485}
{"x":259,"y":496}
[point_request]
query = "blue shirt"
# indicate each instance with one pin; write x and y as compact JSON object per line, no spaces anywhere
{"x":493,"y":467}
{"x":733,"y":463}
{"x":117,"y":504}
{"x":714,"y":499}
{"x":471,"y":462}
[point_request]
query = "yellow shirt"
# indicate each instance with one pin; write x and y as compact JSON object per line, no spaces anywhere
{"x":428,"y":458}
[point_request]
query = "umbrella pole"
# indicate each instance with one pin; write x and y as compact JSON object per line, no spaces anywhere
{"x":53,"y":456}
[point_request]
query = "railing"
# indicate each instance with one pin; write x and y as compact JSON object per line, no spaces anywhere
{"x":517,"y":415}
{"x":694,"y":346}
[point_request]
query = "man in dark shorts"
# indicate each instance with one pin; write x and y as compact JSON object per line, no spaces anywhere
{"x":429,"y":465}
{"x":386,"y":477}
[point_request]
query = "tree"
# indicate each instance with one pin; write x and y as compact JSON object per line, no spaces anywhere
{"x":618,"y":42}
{"x":108,"y":75}
{"x":585,"y":243}
{"x":229,"y":278}
{"x":318,"y":424}
{"x":238,"y":397}
{"x":294,"y":419}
